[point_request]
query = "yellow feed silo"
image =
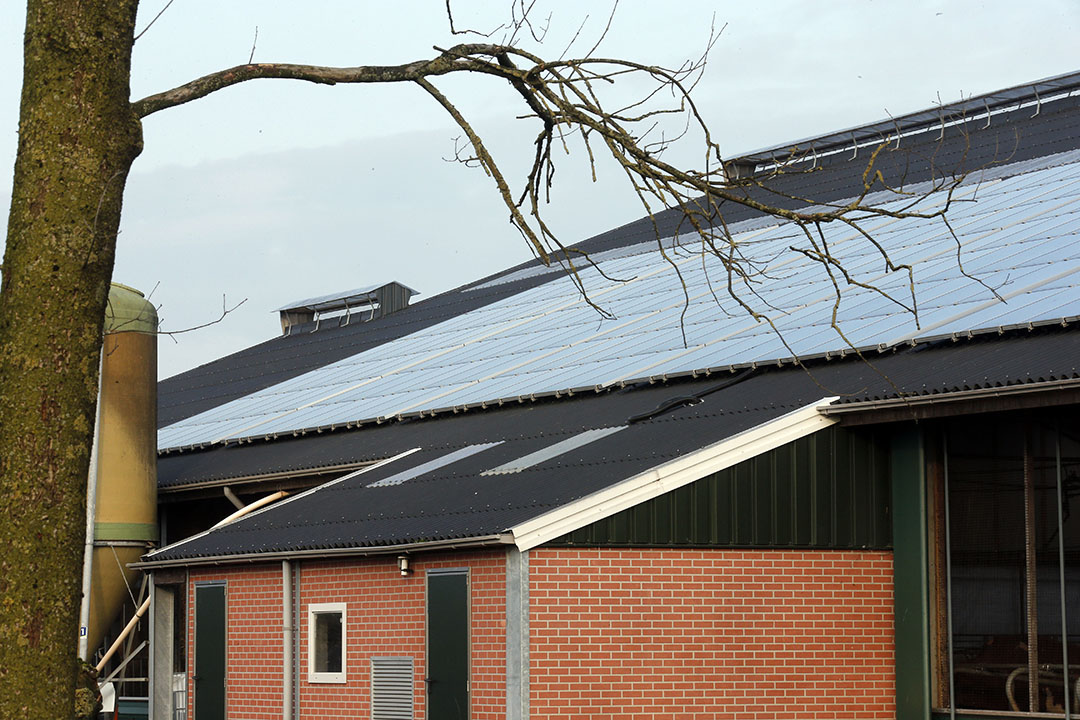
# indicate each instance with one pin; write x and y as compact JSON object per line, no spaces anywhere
{"x":125,"y":511}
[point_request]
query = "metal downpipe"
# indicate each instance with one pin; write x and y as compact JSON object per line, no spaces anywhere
{"x":286,"y":640}
{"x":91,"y":517}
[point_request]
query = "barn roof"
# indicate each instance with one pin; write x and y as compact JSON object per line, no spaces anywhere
{"x":458,"y":388}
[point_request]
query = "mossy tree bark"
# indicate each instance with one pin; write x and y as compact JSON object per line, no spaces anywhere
{"x":77,"y":139}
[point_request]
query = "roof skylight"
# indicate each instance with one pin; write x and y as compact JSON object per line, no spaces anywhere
{"x":435,"y":464}
{"x":553,"y":451}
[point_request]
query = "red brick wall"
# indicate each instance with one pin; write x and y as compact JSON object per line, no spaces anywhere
{"x":666,"y":634}
{"x":385,"y":616}
{"x":614,"y":633}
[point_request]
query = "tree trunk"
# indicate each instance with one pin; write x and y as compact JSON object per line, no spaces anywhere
{"x":77,"y":139}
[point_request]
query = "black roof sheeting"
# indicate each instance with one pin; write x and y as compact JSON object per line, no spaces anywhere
{"x":457,"y":501}
{"x":1018,"y":357}
{"x":1011,"y":136}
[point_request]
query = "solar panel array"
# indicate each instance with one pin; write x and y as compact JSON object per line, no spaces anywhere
{"x":1018,"y":255}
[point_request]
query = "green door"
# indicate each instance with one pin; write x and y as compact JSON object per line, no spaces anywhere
{"x":448,"y":646}
{"x":209,"y":652}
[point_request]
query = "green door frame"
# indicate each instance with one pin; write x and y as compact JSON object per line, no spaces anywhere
{"x":210,"y":651}
{"x":448,"y":644}
{"x":911,"y":584}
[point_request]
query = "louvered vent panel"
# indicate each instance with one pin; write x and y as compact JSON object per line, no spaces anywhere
{"x":391,"y":688}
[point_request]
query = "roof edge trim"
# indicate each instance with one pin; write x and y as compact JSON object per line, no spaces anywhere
{"x":360,"y":551}
{"x":267,"y":476}
{"x":673,"y":475}
{"x":1022,"y":388}
{"x":976,"y":106}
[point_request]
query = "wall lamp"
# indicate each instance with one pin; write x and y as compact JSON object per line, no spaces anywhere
{"x":403,"y":565}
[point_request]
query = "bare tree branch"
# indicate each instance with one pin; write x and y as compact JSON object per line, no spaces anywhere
{"x":567,"y":97}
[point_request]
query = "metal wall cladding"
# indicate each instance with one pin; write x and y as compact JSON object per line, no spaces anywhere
{"x":830,"y":490}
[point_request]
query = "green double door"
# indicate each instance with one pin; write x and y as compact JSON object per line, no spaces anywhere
{"x":209,"y":675}
{"x":448,"y":646}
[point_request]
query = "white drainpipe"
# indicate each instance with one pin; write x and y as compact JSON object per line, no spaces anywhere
{"x":287,"y":640}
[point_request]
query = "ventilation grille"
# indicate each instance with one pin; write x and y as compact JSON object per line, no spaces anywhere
{"x":391,"y":688}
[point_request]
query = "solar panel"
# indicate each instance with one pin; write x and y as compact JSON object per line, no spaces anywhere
{"x":1017,"y":232}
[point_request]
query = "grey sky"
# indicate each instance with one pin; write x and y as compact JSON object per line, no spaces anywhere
{"x":277,"y":190}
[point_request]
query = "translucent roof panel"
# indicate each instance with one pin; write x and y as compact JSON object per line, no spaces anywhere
{"x":553,"y":451}
{"x":437,"y":463}
{"x":1014,"y":259}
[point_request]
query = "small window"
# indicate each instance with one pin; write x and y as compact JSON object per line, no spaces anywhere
{"x":326,"y":643}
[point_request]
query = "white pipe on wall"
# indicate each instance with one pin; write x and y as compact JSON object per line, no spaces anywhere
{"x":91,"y":517}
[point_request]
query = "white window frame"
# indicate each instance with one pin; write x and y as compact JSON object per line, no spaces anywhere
{"x":314,"y":610}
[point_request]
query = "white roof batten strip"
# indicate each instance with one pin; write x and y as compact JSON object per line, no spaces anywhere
{"x":673,"y":475}
{"x":925,"y":332}
{"x":444,"y":351}
{"x":750,"y":326}
{"x":639,"y":320}
{"x":1005,"y":297}
{"x":575,"y":301}
{"x":553,"y":451}
{"x":425,"y":403}
{"x":570,"y":302}
{"x":439,"y":462}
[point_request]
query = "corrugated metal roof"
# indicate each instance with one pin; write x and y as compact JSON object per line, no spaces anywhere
{"x":1017,"y":234}
{"x":1016,"y":358}
{"x":438,"y":500}
{"x":457,"y":500}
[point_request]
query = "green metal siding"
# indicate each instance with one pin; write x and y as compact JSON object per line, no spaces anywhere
{"x":828,"y":490}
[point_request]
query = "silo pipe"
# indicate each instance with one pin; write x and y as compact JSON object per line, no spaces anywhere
{"x":91,"y":517}
{"x":123,"y":634}
{"x":251,"y":508}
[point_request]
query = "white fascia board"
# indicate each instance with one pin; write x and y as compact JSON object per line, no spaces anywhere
{"x":673,"y":475}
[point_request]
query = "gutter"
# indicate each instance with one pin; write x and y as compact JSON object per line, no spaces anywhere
{"x":951,"y":397}
{"x":326,"y":553}
{"x":300,"y":473}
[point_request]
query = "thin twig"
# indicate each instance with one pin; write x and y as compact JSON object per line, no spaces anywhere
{"x":151,"y":23}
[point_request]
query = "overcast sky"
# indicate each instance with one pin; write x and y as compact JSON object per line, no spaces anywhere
{"x":274,"y":190}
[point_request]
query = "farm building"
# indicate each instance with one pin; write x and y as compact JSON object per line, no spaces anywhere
{"x":506,"y":504}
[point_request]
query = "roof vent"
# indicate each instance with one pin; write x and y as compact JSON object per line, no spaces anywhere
{"x":739,"y":168}
{"x":362,"y":304}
